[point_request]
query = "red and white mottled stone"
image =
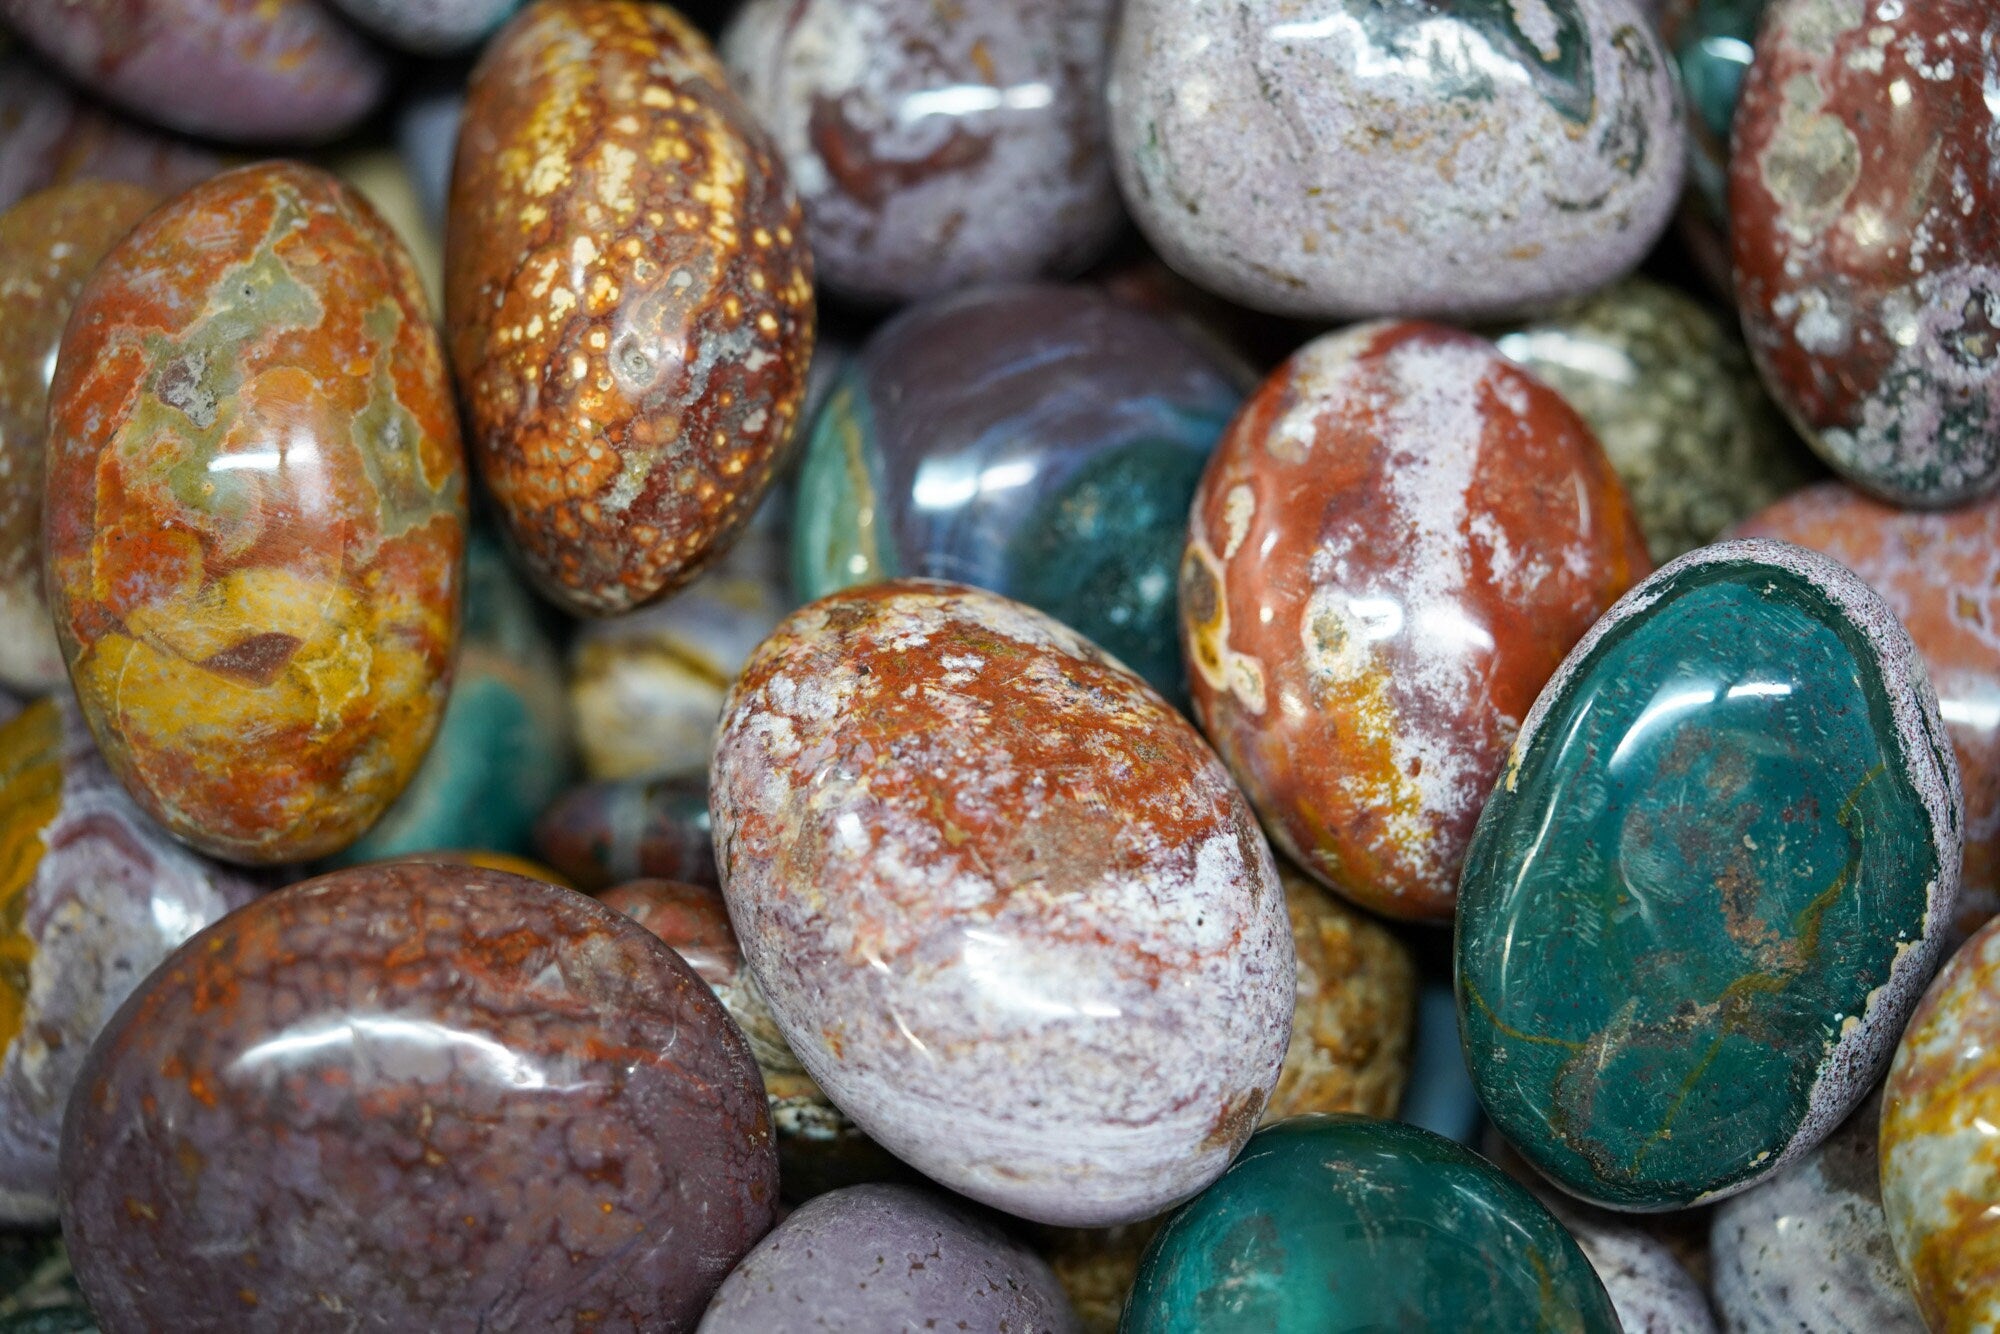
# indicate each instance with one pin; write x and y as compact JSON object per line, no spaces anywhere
{"x":1007,"y":907}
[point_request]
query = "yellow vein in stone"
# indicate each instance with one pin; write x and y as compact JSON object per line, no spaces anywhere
{"x":1508,"y":1030}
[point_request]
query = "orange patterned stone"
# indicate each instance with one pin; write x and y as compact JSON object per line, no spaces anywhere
{"x":256,"y":513}
{"x":629,"y":299}
{"x":1395,"y":544}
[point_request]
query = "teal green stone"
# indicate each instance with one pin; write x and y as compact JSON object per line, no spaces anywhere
{"x":502,"y":752}
{"x":1712,"y":43}
{"x":1701,"y":903}
{"x":1342,"y":1223}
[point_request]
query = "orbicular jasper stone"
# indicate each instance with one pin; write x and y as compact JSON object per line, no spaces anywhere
{"x":1343,"y":1223}
{"x":1712,"y":881}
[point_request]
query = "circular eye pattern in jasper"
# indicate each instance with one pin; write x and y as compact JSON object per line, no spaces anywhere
{"x":1396,"y":542}
{"x":629,"y":299}
{"x":1863,"y":194}
{"x":256,"y":513}
{"x":416,"y":1097}
{"x":1004,"y":903}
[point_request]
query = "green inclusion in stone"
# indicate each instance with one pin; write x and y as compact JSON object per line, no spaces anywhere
{"x":1344,"y":1223}
{"x":1709,"y":858}
{"x":838,"y":523}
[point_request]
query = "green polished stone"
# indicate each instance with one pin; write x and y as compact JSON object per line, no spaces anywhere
{"x":1712,"y":42}
{"x":1706,"y":893}
{"x":1342,"y":1223}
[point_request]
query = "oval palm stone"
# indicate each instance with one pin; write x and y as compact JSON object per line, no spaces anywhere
{"x":1709,"y":888}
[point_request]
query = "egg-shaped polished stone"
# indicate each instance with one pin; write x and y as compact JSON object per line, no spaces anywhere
{"x":429,"y":27}
{"x":1347,"y":158}
{"x":936,"y":146}
{"x":1006,"y":905}
{"x":255,"y":514}
{"x":603,"y":834}
{"x":1341,"y":1222}
{"x":1940,"y":574}
{"x":1670,"y":393}
{"x":1395,"y":543}
{"x":889,"y":1257}
{"x":1865,"y":207}
{"x":629,"y":299}
{"x":1039,"y":441}
{"x":1809,"y":1250}
{"x":50,"y":134}
{"x":416,"y":1097}
{"x":92,"y":896}
{"x":1940,"y":1151}
{"x":1714,"y":878}
{"x":251,"y":71}
{"x":1711,"y":44}
{"x":49,"y":243}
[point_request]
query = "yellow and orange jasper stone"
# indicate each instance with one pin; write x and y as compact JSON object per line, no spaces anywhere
{"x":255,"y":514}
{"x":629,"y":299}
{"x":1940,"y":1148}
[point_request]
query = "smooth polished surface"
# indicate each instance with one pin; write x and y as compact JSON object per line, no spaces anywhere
{"x":819,"y":1147}
{"x":1712,"y":882}
{"x":1006,"y":905}
{"x":1865,"y":202}
{"x":1712,"y":43}
{"x":1042,"y":442}
{"x":1650,"y":1289}
{"x":1940,"y":1151}
{"x":1336,"y":159}
{"x":429,"y":27}
{"x":603,"y":834}
{"x":49,"y":243}
{"x":629,"y":299}
{"x":252,"y":71}
{"x":503,"y":749}
{"x":936,"y":146}
{"x":1940,"y":574}
{"x":1398,"y":539}
{"x":92,"y":896}
{"x":256,"y":514}
{"x":1671,"y":395}
{"x":886,"y":1258}
{"x":1810,"y":1249}
{"x":1344,"y":1223}
{"x":428,"y":1097}
{"x":50,"y":135}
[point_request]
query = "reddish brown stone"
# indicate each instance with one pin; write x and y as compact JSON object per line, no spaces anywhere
{"x":629,"y":297}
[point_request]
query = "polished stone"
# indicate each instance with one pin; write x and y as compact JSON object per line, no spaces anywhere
{"x":604,"y":834}
{"x":1711,"y":44}
{"x":1711,"y":883}
{"x":51,"y":134}
{"x":1343,"y":1223}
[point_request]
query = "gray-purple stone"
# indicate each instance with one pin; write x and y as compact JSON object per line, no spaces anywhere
{"x":880,"y":1258}
{"x":1651,"y":1290}
{"x":429,"y":27}
{"x":1344,"y":158}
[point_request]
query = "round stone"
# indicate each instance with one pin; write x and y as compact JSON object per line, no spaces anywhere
{"x":604,"y":834}
{"x":429,"y":27}
{"x":52,"y":135}
{"x":936,"y":146}
{"x":1397,"y":540}
{"x":1865,"y":207}
{"x":1711,"y":44}
{"x":1043,"y":956}
{"x":426,"y":1096}
{"x":1339,"y":1222}
{"x":1336,"y":159}
{"x":1714,"y":878}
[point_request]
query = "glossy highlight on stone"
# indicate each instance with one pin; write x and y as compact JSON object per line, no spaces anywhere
{"x":936,"y":146}
{"x":604,"y":834}
{"x":49,"y":243}
{"x":1339,"y":159}
{"x":1865,"y":207}
{"x":429,"y":27}
{"x":1711,"y":42}
{"x":428,"y":1097}
{"x":1940,"y":1153}
{"x":1709,"y":887}
{"x":1341,"y":1222}
{"x":92,"y":896}
{"x":1042,"y":442}
{"x":883,"y":1257}
{"x":1395,"y":543}
{"x":255,"y":514}
{"x":1940,"y":574}
{"x":1005,"y":905}
{"x":629,"y":299}
{"x":250,"y":71}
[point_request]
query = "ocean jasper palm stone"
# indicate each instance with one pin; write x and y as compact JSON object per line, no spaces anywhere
{"x":1712,"y":882}
{"x":1341,"y":158}
{"x":1395,"y":543}
{"x":1005,"y":905}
